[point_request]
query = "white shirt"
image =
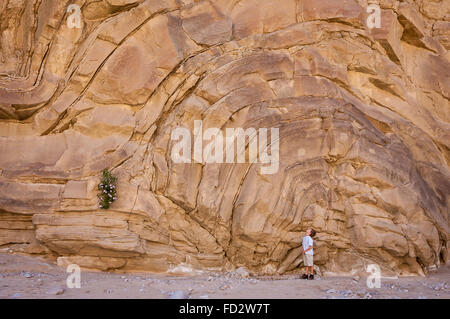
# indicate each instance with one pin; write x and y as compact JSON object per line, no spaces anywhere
{"x":308,"y":242}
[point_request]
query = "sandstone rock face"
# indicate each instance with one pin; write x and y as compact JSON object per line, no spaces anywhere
{"x":363,"y":116}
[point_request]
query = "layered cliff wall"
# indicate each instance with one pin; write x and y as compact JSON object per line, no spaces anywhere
{"x":362,"y":112}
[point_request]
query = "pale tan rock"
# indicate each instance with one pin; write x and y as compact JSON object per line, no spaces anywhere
{"x":331,"y":9}
{"x":75,"y":189}
{"x":205,"y":24}
{"x":441,"y":31}
{"x":363,"y":117}
{"x":255,"y":17}
{"x":92,"y":263}
{"x":389,"y":34}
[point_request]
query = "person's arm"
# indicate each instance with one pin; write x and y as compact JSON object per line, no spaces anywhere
{"x":305,"y":250}
{"x":309,"y":248}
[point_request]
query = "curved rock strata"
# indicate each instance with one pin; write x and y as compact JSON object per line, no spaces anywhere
{"x":363,"y":117}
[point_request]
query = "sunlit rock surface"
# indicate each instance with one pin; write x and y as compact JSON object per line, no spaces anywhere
{"x":363,"y":117}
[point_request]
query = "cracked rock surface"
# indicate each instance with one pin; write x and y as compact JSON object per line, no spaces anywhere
{"x":363,"y":117}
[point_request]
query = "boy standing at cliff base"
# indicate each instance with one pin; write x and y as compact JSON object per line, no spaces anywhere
{"x":308,"y":253}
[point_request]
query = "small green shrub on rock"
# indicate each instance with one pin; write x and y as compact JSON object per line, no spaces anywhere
{"x":107,"y":189}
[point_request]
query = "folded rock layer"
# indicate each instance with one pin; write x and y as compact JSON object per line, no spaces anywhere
{"x":363,"y":117}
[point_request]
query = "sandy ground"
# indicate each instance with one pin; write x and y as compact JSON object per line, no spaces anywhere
{"x":32,"y":277}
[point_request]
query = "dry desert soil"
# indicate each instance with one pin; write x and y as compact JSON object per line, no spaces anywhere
{"x":32,"y":277}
